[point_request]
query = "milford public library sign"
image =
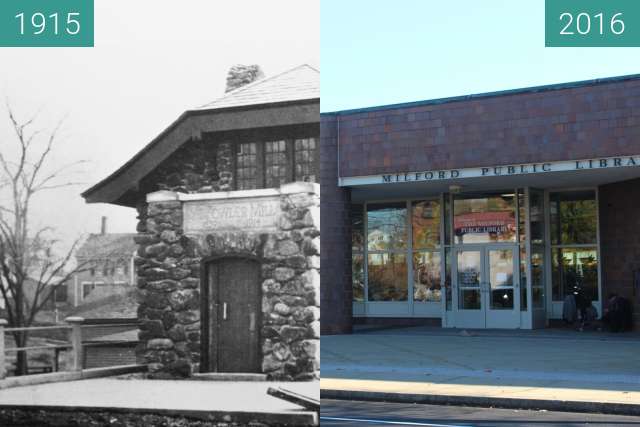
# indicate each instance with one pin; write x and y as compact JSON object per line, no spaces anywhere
{"x":493,"y":171}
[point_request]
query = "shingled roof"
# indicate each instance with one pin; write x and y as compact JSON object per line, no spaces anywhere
{"x":288,"y":98}
{"x":109,"y":245}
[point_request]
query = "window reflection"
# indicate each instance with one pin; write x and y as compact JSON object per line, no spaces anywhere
{"x":425,"y":218}
{"x":387,"y":226}
{"x":575,"y":270}
{"x":357,"y":228}
{"x":387,"y":273}
{"x":573,"y":217}
{"x":501,"y":278}
{"x":357,"y":276}
{"x":426,"y":276}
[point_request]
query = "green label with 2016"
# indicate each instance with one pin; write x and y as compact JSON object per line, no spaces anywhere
{"x":46,"y":23}
{"x":592,"y":23}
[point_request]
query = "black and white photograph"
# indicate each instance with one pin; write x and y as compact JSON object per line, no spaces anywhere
{"x":160,"y":219}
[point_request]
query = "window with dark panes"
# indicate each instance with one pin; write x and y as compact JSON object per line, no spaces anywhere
{"x":247,"y":166}
{"x":305,"y":159}
{"x":275,"y":163}
{"x":60,"y":293}
{"x":86,"y":289}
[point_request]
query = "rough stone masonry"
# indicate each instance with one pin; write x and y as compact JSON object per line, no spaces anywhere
{"x":169,"y":278}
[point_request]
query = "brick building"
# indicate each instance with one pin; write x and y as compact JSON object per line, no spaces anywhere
{"x":228,"y":239}
{"x":482,"y":210}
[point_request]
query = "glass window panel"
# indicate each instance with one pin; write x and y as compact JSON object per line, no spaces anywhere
{"x":522,"y":216}
{"x":357,"y":228}
{"x":447,"y":278}
{"x":575,"y":270}
{"x":275,"y":161}
{"x":536,"y":211}
{"x":425,"y":218}
{"x":246,"y":166}
{"x":502,"y":299}
{"x":484,"y":218}
{"x":447,"y":219}
{"x":357,"y":277}
{"x":387,"y":277}
{"x":573,"y":217}
{"x":305,"y":159}
{"x":426,"y":276}
{"x":501,"y":278}
{"x":523,"y":278}
{"x":501,"y":268}
{"x":470,"y":299}
{"x":538,"y":297}
{"x":386,"y":226}
{"x":537,"y":276}
{"x":469,"y":269}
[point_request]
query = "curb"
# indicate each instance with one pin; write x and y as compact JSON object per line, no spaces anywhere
{"x":485,"y":402}
{"x":301,"y":418}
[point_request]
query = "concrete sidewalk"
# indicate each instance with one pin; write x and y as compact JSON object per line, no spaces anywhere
{"x":233,"y":400}
{"x":554,"y":370}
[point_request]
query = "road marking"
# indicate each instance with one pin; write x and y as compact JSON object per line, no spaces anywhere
{"x":403,"y":423}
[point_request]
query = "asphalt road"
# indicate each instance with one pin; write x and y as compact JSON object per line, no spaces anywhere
{"x":354,"y":413}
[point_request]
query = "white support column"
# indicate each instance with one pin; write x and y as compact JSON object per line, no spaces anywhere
{"x":76,"y":342}
{"x":3,"y":369}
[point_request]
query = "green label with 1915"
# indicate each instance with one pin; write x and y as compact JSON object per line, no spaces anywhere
{"x":46,"y":23}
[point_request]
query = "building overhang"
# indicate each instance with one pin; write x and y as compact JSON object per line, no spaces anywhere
{"x":558,"y":174}
{"x":122,"y":186}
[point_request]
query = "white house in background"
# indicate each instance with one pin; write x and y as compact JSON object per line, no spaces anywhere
{"x":107,"y":260}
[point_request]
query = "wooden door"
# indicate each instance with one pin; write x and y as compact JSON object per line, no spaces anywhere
{"x":234,"y":315}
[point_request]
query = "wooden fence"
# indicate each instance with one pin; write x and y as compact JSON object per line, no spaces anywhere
{"x":74,"y":328}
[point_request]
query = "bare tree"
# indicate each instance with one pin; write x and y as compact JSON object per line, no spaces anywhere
{"x":30,"y":270}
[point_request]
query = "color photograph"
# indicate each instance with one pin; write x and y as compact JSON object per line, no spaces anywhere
{"x":480,"y":186}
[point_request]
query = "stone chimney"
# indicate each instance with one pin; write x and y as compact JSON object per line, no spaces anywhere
{"x":103,"y":227}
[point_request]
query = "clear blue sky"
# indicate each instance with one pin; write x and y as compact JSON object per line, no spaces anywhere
{"x":376,"y":52}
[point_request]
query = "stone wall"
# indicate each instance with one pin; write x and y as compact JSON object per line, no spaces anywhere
{"x":199,"y":166}
{"x":169,"y":281}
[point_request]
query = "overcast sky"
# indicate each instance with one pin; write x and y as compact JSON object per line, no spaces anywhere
{"x":152,"y":60}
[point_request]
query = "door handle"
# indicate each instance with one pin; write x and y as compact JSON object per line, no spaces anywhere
{"x":224,"y":311}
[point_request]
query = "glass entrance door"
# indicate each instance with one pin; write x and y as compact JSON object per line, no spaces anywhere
{"x":487,"y":287}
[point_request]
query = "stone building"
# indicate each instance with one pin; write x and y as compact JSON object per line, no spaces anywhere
{"x":482,"y":211}
{"x":228,"y":234}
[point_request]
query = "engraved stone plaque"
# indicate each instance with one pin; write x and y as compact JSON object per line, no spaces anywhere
{"x":251,"y":214}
